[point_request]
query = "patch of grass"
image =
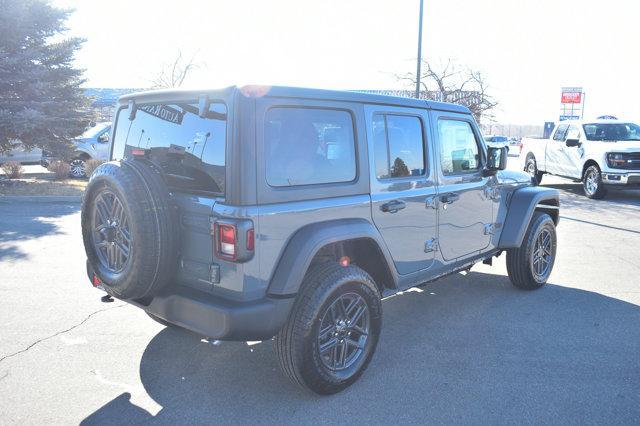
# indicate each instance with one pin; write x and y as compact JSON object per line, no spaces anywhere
{"x":42,"y":187}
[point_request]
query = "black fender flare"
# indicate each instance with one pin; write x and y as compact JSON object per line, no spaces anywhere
{"x":307,"y":241}
{"x":522,"y":204}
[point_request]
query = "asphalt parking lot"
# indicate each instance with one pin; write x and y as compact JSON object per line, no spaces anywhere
{"x":467,"y":349}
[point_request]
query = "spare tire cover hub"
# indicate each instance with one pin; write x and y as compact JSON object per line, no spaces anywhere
{"x":111,"y":236}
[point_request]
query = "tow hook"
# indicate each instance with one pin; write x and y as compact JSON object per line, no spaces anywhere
{"x":106,"y":298}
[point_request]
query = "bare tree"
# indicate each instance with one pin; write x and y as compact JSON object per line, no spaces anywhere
{"x":456,"y":84}
{"x":175,"y":72}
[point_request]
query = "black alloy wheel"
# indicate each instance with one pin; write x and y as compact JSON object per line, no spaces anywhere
{"x":112,"y":239}
{"x":343,"y":332}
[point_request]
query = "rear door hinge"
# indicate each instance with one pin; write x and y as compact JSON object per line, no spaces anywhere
{"x":492,"y":193}
{"x":431,"y":245}
{"x":489,"y":229}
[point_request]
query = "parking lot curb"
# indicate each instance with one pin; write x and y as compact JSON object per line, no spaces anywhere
{"x":9,"y":199}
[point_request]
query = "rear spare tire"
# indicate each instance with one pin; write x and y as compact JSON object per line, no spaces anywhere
{"x":128,"y":229}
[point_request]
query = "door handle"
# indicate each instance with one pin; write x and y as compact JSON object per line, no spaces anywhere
{"x":393,"y":206}
{"x":449,"y":198}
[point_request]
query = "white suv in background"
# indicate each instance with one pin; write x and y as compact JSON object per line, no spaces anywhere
{"x":598,"y":153}
{"x":93,"y":144}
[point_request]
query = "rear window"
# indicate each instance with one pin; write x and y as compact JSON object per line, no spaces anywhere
{"x":307,"y":146}
{"x":189,"y":149}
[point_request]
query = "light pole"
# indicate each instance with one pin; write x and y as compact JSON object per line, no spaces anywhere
{"x":419,"y":51}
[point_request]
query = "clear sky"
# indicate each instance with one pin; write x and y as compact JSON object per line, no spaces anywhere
{"x":527,"y":49}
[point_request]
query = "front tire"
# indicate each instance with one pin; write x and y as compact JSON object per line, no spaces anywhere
{"x":333,"y":330}
{"x":532,"y":168}
{"x":530,"y":265}
{"x":592,"y":183}
{"x":77,"y":168}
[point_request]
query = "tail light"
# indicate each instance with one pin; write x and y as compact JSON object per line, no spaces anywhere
{"x":234,"y":240}
{"x":227,"y":241}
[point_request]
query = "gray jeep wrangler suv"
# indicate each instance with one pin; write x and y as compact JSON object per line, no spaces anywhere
{"x":254,"y":212}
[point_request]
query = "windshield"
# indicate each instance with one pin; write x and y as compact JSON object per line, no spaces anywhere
{"x":92,"y":132}
{"x":612,"y":132}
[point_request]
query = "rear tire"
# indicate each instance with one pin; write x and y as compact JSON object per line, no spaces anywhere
{"x":530,"y":265}
{"x":592,"y":183}
{"x":532,"y":168}
{"x":326,"y":348}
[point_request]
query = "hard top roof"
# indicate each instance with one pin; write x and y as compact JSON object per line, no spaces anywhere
{"x":292,"y":92}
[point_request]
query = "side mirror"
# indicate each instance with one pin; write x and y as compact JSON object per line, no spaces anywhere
{"x":496,"y":160}
{"x":103,"y":138}
{"x":572,"y":142}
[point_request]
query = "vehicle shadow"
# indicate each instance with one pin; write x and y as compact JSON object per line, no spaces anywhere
{"x":620,"y":198}
{"x":465,"y":349}
{"x":25,"y":221}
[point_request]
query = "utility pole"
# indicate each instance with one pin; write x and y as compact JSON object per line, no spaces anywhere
{"x":419,"y":51}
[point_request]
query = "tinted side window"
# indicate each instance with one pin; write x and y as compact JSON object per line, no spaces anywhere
{"x":189,"y":149}
{"x":458,"y":147}
{"x":398,"y":145}
{"x":572,"y":133}
{"x":306,"y":146}
{"x":561,"y":132}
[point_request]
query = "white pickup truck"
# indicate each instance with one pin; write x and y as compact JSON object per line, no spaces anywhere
{"x":597,"y":153}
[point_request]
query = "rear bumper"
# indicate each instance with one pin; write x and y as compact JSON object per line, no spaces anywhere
{"x":217,"y":317}
{"x":621,"y":178}
{"x":220,"y":318}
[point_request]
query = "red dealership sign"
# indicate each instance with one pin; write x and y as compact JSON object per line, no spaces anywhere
{"x":571,"y":95}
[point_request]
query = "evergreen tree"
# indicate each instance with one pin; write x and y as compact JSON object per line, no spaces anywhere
{"x":41,"y":102}
{"x":399,"y":168}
